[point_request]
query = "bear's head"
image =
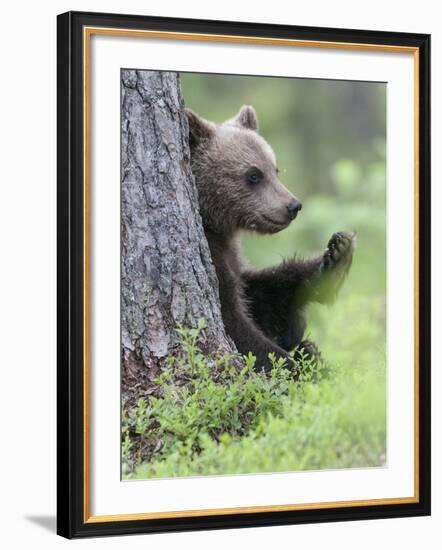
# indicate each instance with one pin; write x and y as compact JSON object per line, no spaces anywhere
{"x":237,"y":177}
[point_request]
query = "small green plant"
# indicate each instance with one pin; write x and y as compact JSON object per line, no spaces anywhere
{"x":200,"y":397}
{"x":317,"y":428}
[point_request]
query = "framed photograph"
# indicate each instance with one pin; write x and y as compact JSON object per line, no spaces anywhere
{"x":243,"y":274}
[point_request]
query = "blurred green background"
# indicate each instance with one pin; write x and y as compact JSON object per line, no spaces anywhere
{"x":329,"y":138}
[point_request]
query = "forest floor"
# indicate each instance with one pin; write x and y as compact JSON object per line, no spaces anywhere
{"x":222,"y":421}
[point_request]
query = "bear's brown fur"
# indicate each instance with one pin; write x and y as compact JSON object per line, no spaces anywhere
{"x":237,"y":179}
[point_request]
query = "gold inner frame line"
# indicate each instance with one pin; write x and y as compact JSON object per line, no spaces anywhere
{"x":202,"y":37}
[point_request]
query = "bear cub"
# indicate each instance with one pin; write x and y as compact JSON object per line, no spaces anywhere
{"x":236,"y":175}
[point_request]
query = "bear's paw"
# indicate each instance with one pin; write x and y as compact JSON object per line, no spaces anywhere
{"x":339,"y":252}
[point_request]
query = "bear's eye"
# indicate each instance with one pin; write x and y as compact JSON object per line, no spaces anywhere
{"x":254,"y":176}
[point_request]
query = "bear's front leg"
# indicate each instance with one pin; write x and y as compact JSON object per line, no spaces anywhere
{"x":334,"y":267}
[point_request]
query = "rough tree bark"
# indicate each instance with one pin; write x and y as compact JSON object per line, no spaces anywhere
{"x":167,"y":276}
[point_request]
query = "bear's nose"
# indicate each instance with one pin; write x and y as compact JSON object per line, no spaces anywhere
{"x":293,"y":208}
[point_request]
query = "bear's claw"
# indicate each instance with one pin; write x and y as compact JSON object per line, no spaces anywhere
{"x":308,"y":350}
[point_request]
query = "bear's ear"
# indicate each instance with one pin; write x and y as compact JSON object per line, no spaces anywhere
{"x":246,"y":118}
{"x":199,"y":129}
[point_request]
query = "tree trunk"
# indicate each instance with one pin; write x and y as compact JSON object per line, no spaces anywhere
{"x":167,"y":276}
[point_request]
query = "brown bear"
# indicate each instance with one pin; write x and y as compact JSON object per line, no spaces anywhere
{"x":238,"y":186}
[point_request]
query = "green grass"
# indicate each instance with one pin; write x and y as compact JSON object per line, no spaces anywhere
{"x":229,"y":419}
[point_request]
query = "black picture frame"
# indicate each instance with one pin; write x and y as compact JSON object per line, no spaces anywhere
{"x":71,"y":521}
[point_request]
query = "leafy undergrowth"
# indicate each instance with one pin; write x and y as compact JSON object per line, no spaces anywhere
{"x":214,"y":417}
